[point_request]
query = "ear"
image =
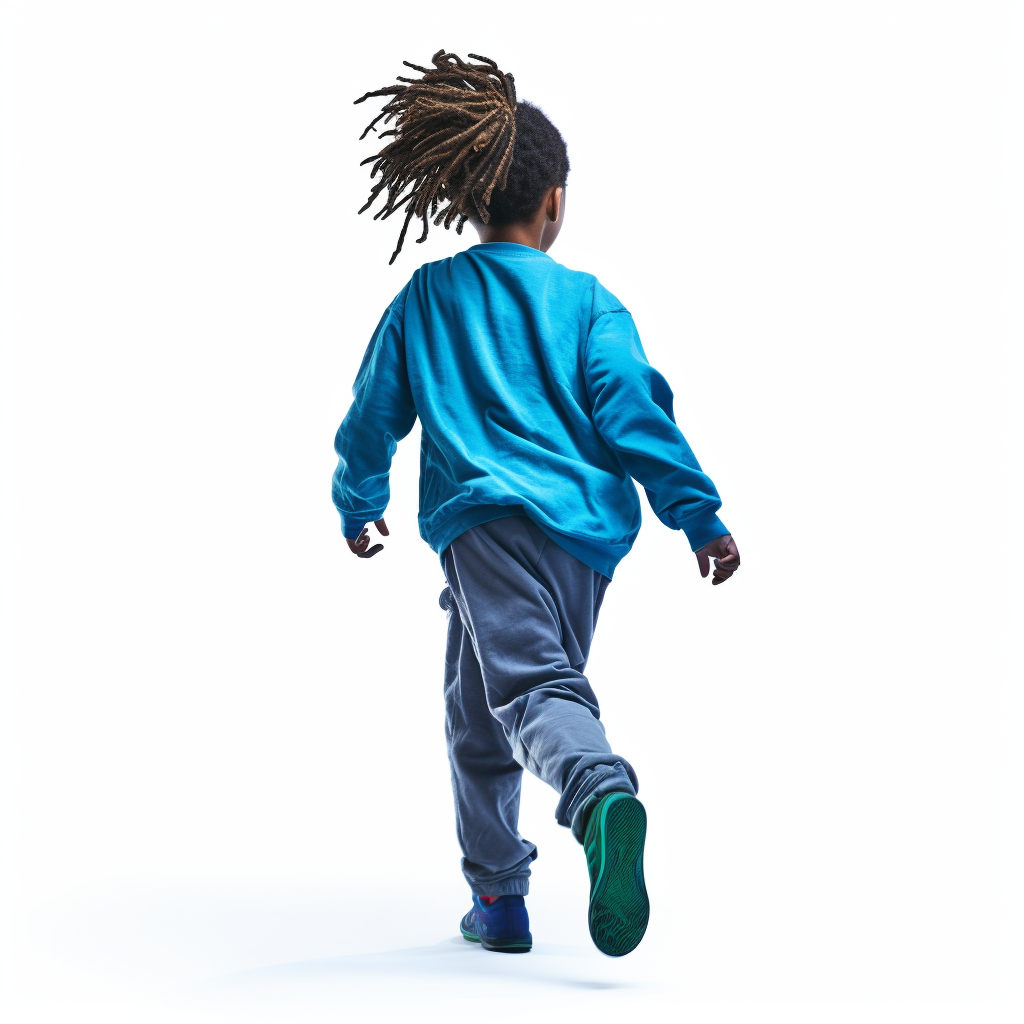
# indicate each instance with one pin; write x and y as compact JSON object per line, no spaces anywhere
{"x":553,"y":207}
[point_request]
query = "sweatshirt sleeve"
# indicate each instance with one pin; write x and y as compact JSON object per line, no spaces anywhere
{"x":381,"y":414}
{"x":632,"y":409}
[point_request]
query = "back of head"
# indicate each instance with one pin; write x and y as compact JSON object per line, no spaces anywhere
{"x":539,"y":160}
{"x":462,"y":146}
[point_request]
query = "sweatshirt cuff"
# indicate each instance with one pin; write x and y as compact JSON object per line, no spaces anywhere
{"x":351,"y":527}
{"x":703,"y":528}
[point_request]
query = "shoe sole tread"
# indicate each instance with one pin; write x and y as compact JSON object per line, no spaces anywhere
{"x":619,"y":906}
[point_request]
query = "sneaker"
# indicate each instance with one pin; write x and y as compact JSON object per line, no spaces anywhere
{"x":502,"y":926}
{"x":614,"y":845}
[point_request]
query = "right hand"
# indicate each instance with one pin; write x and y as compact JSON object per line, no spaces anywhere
{"x":726,"y":555}
{"x":358,"y":546}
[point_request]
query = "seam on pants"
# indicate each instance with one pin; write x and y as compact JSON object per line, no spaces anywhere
{"x":467,"y":618}
{"x":540,"y":554}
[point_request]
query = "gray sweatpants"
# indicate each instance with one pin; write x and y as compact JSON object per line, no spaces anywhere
{"x":521,"y":618}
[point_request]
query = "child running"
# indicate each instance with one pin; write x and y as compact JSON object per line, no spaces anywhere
{"x":538,"y":409}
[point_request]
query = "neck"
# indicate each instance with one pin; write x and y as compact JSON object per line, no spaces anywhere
{"x":521,"y":234}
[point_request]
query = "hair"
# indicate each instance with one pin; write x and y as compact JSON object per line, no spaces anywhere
{"x":462,"y":138}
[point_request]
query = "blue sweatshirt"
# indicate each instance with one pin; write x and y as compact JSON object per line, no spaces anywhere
{"x":534,"y":397}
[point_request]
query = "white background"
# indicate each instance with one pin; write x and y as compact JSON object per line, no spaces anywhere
{"x":225,"y":790}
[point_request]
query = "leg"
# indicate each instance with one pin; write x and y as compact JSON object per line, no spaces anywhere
{"x":529,"y":609}
{"x":486,"y":779}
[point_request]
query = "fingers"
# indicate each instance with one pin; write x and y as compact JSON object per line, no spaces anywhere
{"x":725,"y":567}
{"x":360,"y":546}
{"x":733,"y":551}
{"x":382,"y":527}
{"x":722,"y":572}
{"x":726,"y":562}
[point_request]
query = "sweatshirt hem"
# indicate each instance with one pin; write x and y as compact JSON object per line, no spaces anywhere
{"x":473,"y":515}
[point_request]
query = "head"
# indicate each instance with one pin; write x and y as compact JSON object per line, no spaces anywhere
{"x":463,"y":148}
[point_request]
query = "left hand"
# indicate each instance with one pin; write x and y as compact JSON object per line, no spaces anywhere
{"x":358,"y":546}
{"x":726,"y":555}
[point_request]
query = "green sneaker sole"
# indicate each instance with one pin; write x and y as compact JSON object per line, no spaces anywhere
{"x":614,"y":844}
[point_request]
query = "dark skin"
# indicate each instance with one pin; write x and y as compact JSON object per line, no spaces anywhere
{"x":540,"y":233}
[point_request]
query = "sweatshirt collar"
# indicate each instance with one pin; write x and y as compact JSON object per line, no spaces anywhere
{"x":512,"y":248}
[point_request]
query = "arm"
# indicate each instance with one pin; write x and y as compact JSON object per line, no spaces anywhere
{"x":381,"y":414}
{"x":632,"y":410}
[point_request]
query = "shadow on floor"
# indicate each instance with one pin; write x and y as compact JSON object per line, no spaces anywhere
{"x":562,"y":966}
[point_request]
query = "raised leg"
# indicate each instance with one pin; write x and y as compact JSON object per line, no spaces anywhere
{"x":528,"y":609}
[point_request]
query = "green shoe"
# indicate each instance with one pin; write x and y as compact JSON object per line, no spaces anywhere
{"x":614,"y":844}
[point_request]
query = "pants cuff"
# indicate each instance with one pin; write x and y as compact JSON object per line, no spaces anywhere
{"x":516,"y":886}
{"x":601,"y":781}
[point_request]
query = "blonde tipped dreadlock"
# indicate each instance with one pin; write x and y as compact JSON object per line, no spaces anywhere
{"x":455,"y":129}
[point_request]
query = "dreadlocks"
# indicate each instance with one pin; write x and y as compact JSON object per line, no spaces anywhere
{"x":454,"y":135}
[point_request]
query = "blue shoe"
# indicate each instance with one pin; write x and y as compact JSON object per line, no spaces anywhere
{"x":614,"y":844}
{"x":502,"y":927}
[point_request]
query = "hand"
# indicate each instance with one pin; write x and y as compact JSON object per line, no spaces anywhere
{"x":727,"y":558}
{"x":358,"y":546}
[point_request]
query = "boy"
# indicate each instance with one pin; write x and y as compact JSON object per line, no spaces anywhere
{"x":538,"y":408}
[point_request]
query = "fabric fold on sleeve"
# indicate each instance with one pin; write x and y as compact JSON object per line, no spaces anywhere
{"x":381,"y":414}
{"x":632,"y":410}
